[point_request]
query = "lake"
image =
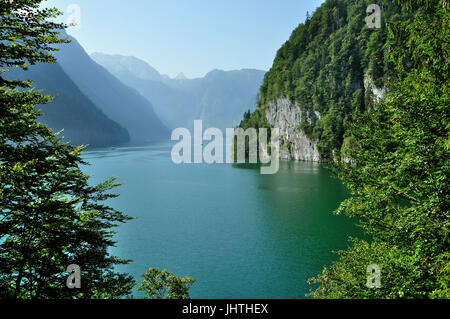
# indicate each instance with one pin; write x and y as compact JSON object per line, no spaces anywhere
{"x":240,"y":234}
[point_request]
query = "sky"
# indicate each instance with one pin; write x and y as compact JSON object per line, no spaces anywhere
{"x":189,"y":36}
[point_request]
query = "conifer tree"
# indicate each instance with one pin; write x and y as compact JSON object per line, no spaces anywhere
{"x":50,"y":215}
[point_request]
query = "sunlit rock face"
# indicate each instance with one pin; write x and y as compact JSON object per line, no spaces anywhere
{"x":294,"y":144}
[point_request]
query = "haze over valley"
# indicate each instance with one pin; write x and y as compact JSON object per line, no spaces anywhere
{"x":110,"y":100}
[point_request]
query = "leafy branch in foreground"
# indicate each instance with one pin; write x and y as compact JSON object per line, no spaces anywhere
{"x":26,"y":36}
{"x":160,"y":284}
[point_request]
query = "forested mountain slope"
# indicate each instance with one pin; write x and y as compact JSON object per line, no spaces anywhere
{"x":330,"y":70}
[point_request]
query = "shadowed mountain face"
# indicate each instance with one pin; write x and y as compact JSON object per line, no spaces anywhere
{"x":118,"y":101}
{"x":83,"y":122}
{"x":219,"y":99}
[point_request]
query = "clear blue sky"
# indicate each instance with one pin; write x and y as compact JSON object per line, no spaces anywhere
{"x":189,"y":36}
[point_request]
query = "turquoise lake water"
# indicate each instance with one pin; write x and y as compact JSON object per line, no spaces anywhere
{"x":240,"y":234}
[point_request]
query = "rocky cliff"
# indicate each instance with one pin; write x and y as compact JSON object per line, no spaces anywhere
{"x":294,"y":144}
{"x":287,"y":115}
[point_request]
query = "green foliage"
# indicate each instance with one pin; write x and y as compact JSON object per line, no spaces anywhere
{"x":164,"y":285}
{"x":27,"y":36}
{"x":347,"y":278}
{"x":399,"y":187}
{"x":326,"y":65}
{"x":50,"y":217}
{"x":252,"y":120}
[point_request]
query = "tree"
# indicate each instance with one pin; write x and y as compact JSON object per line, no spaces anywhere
{"x":50,"y":216}
{"x":399,"y":185}
{"x":164,"y":285}
{"x":26,"y":36}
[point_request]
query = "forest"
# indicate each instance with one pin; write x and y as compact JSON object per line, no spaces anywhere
{"x":398,"y":143}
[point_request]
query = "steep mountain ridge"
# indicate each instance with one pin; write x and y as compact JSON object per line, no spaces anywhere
{"x":332,"y":68}
{"x":126,"y":65}
{"x":118,"y":101}
{"x":83,"y":122}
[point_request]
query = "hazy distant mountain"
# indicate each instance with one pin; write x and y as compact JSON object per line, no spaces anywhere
{"x":219,"y":99}
{"x":181,"y":76}
{"x":118,"y":101}
{"x":82,"y":121}
{"x":171,"y":105}
{"x":122,"y":65}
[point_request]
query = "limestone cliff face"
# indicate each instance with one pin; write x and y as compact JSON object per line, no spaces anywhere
{"x":378,"y":93}
{"x":294,"y":144}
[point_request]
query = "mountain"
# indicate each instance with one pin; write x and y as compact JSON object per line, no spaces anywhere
{"x":83,"y":122}
{"x":181,"y":76}
{"x":332,"y":68}
{"x":116,"y":100}
{"x":120,"y":65}
{"x":219,"y":99}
